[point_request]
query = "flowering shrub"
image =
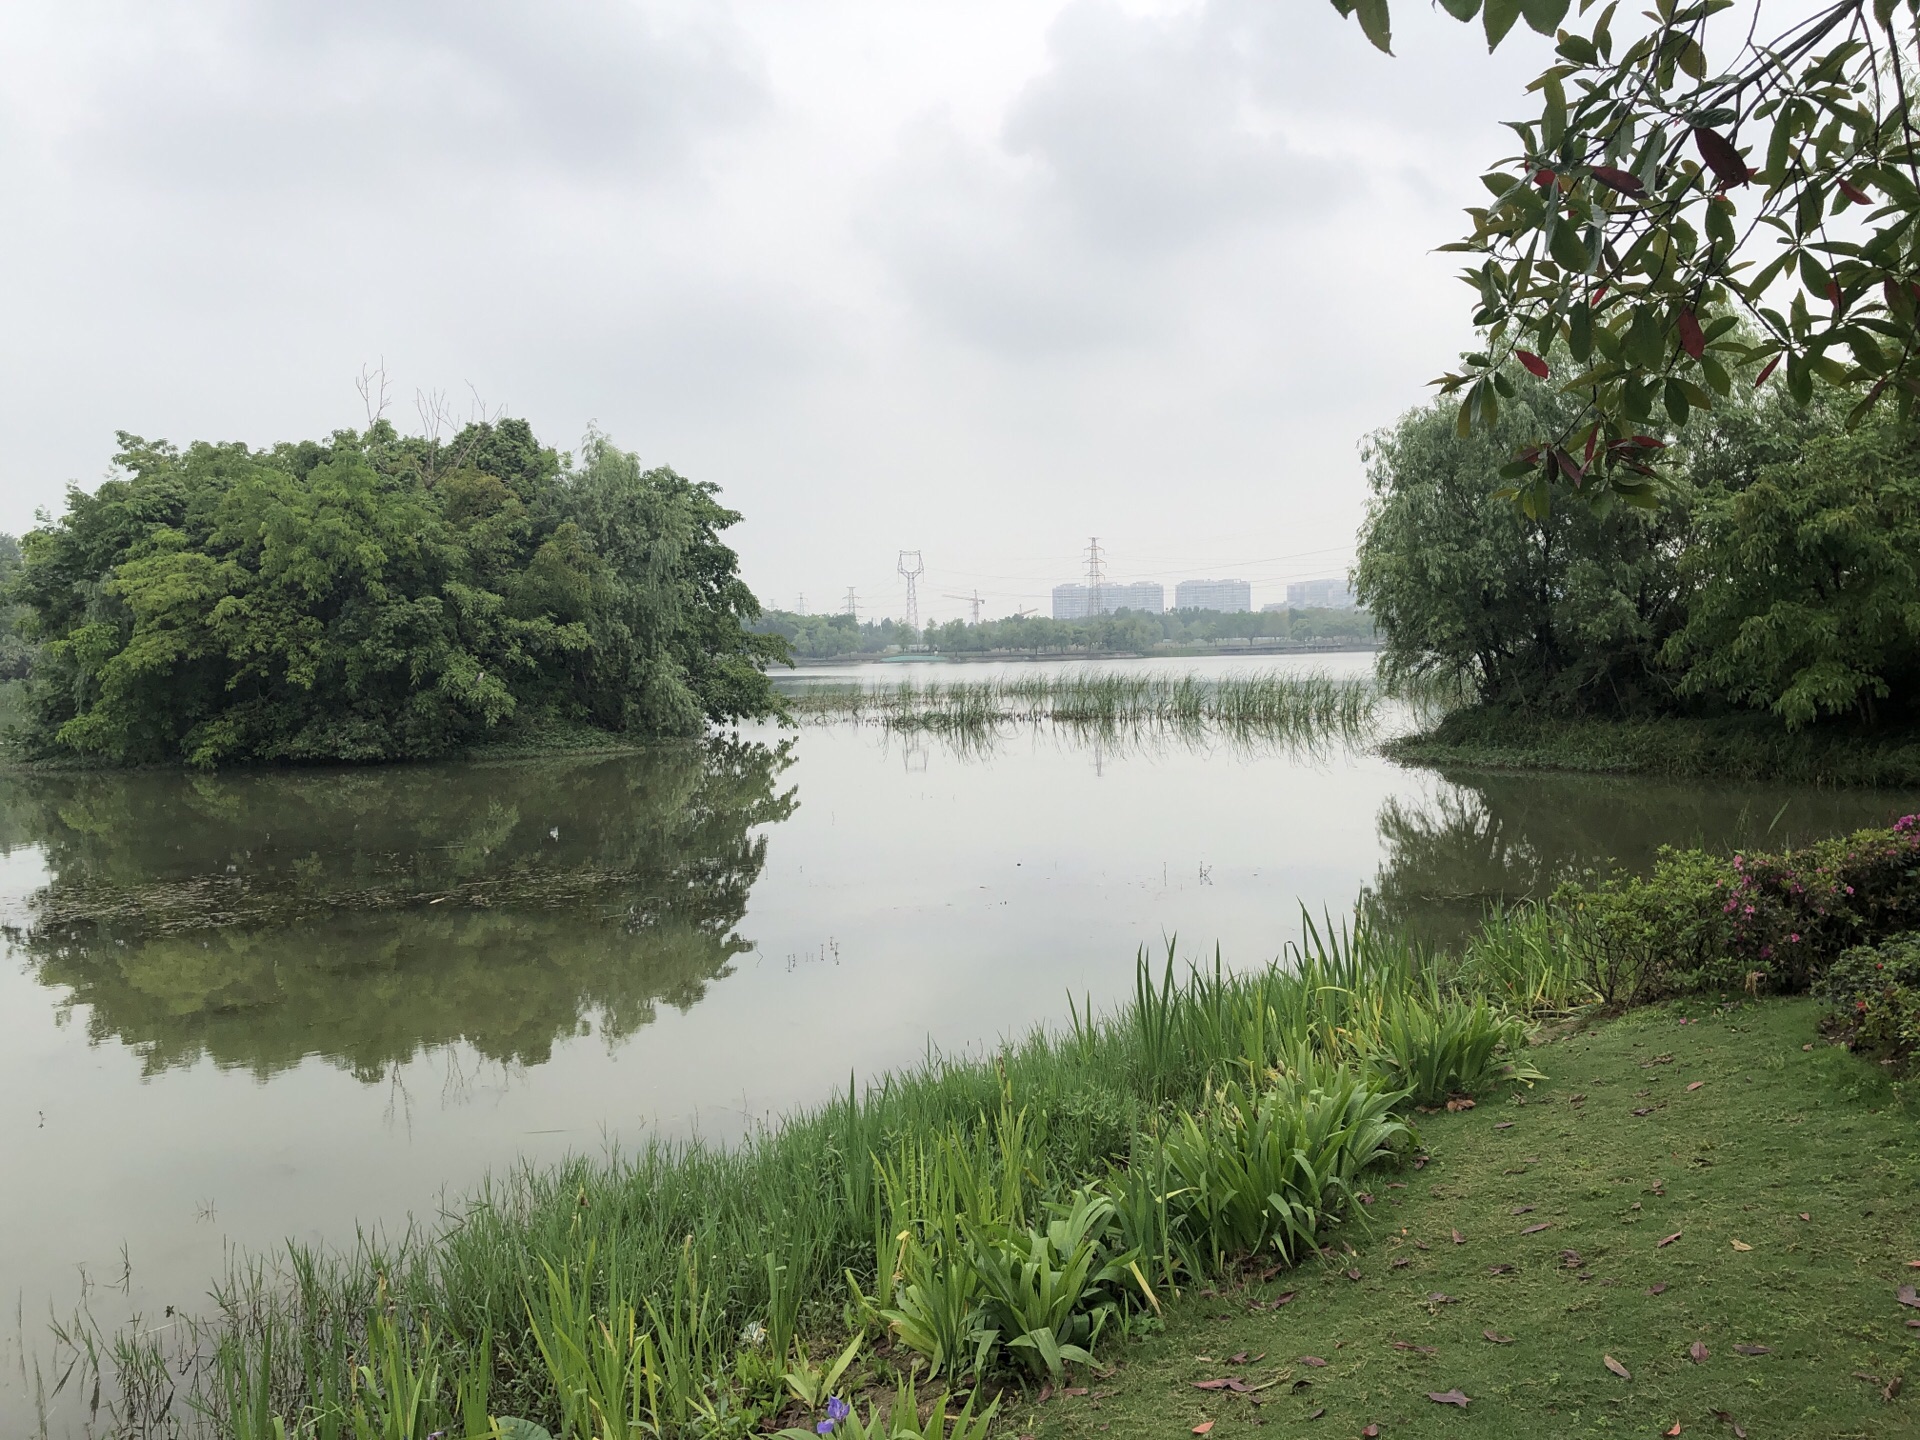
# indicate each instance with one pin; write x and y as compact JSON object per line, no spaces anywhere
{"x":1757,"y":920}
{"x":1792,"y":914}
{"x":1873,"y":992}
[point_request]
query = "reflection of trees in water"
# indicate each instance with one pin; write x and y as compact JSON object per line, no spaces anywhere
{"x":366,"y":915}
{"x":1482,"y":839}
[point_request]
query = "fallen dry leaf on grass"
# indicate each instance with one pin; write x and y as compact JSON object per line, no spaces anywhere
{"x":1674,"y":1431}
{"x":1421,"y":1245}
{"x":1449,"y":1397}
{"x":1440,"y":1297}
{"x":1203,"y":1427}
{"x":1724,"y":1418}
{"x":1659,"y":1289}
{"x":1670,"y":1239}
{"x":1370,"y":1433}
{"x":1808,"y":1215}
{"x":1401,"y":1263}
{"x":1418,"y":1349}
{"x":1753,"y":1349}
{"x":1696,"y":1085}
{"x":1316,"y":1414}
{"x":1504,"y":1125}
{"x":1496,"y":1338}
{"x":1648,"y":1110}
{"x":1907,"y":1296}
{"x":1741,"y":1245}
{"x":1459,"y":1102}
{"x":1893,"y":1388}
{"x":1521,"y":1210}
{"x":1239,"y":1359}
{"x":1617,"y":1368}
{"x":1353,"y":1274}
{"x":1458,"y":1238}
{"x":1536,"y":1229}
{"x":1314,"y":1360}
{"x":1697,"y":1353}
{"x":1232,"y":1382}
{"x":1499,"y":1269}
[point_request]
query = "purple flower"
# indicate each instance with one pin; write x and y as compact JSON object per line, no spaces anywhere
{"x":825,"y":1427}
{"x":837,"y":1409}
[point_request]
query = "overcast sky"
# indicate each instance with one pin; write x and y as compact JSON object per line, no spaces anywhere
{"x":980,"y":279}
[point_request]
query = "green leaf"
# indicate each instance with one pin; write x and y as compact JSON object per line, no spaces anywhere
{"x":1716,"y":375}
{"x":1461,"y":9}
{"x":512,"y":1427}
{"x":1544,"y":15}
{"x":1498,"y":16}
{"x":1375,"y":23}
{"x":1676,"y":399}
{"x":1580,"y":331}
{"x":1565,"y":247}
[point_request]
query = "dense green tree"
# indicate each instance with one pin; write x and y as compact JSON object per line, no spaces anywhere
{"x":16,"y":652}
{"x":1806,"y":583}
{"x":1567,"y":612}
{"x":375,"y":596}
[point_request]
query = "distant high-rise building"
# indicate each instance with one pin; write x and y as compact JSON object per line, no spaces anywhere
{"x":1320,"y":595}
{"x":1229,"y":595}
{"x":1070,"y":602}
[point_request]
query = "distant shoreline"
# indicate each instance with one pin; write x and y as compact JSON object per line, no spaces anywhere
{"x":1182,"y":652}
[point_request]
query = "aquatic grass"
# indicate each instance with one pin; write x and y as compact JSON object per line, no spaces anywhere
{"x":1275,"y":704}
{"x":685,"y":1258}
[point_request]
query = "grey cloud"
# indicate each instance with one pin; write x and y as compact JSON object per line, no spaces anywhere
{"x":263,"y":98}
{"x":1146,"y":141}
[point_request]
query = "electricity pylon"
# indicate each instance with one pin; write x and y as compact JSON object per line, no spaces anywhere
{"x":912,"y":567}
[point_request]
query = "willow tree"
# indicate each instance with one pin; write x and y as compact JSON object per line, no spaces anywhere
{"x":1703,"y":202}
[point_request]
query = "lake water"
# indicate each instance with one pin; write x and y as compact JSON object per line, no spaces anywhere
{"x":239,"y":1008}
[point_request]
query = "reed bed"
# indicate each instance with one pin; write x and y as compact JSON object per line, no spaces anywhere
{"x":726,"y":1261}
{"x":1273,"y":704}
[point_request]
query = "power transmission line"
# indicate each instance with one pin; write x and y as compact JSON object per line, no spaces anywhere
{"x":1095,"y":575}
{"x":852,"y":606}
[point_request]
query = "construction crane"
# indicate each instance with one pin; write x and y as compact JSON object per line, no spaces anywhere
{"x":973,"y":600}
{"x":1022,"y":614}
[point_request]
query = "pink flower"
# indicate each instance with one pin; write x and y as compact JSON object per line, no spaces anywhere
{"x":1795,"y":937}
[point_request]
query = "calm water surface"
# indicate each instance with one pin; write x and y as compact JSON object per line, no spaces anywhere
{"x":239,"y":1008}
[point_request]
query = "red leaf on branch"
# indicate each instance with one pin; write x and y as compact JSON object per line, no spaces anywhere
{"x":1621,"y":180}
{"x":1720,"y":155}
{"x":1762,"y":378}
{"x":1833,"y":293}
{"x":1692,"y":339}
{"x":1854,"y":193}
{"x":1544,"y":176}
{"x":1535,"y":365}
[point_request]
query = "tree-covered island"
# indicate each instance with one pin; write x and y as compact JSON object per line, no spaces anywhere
{"x":374,"y":596}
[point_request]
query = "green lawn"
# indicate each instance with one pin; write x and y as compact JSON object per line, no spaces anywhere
{"x":1772,"y":1131}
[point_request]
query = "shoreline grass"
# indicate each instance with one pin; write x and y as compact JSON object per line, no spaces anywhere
{"x":1732,"y":747}
{"x":796,"y":1234}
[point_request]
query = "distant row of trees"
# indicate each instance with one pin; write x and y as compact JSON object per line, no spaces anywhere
{"x":1780,"y":570}
{"x":374,"y":596}
{"x":824,"y":637}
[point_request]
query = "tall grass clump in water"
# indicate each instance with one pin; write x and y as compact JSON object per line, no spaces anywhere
{"x":970,"y":1221}
{"x":1275,"y":705}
